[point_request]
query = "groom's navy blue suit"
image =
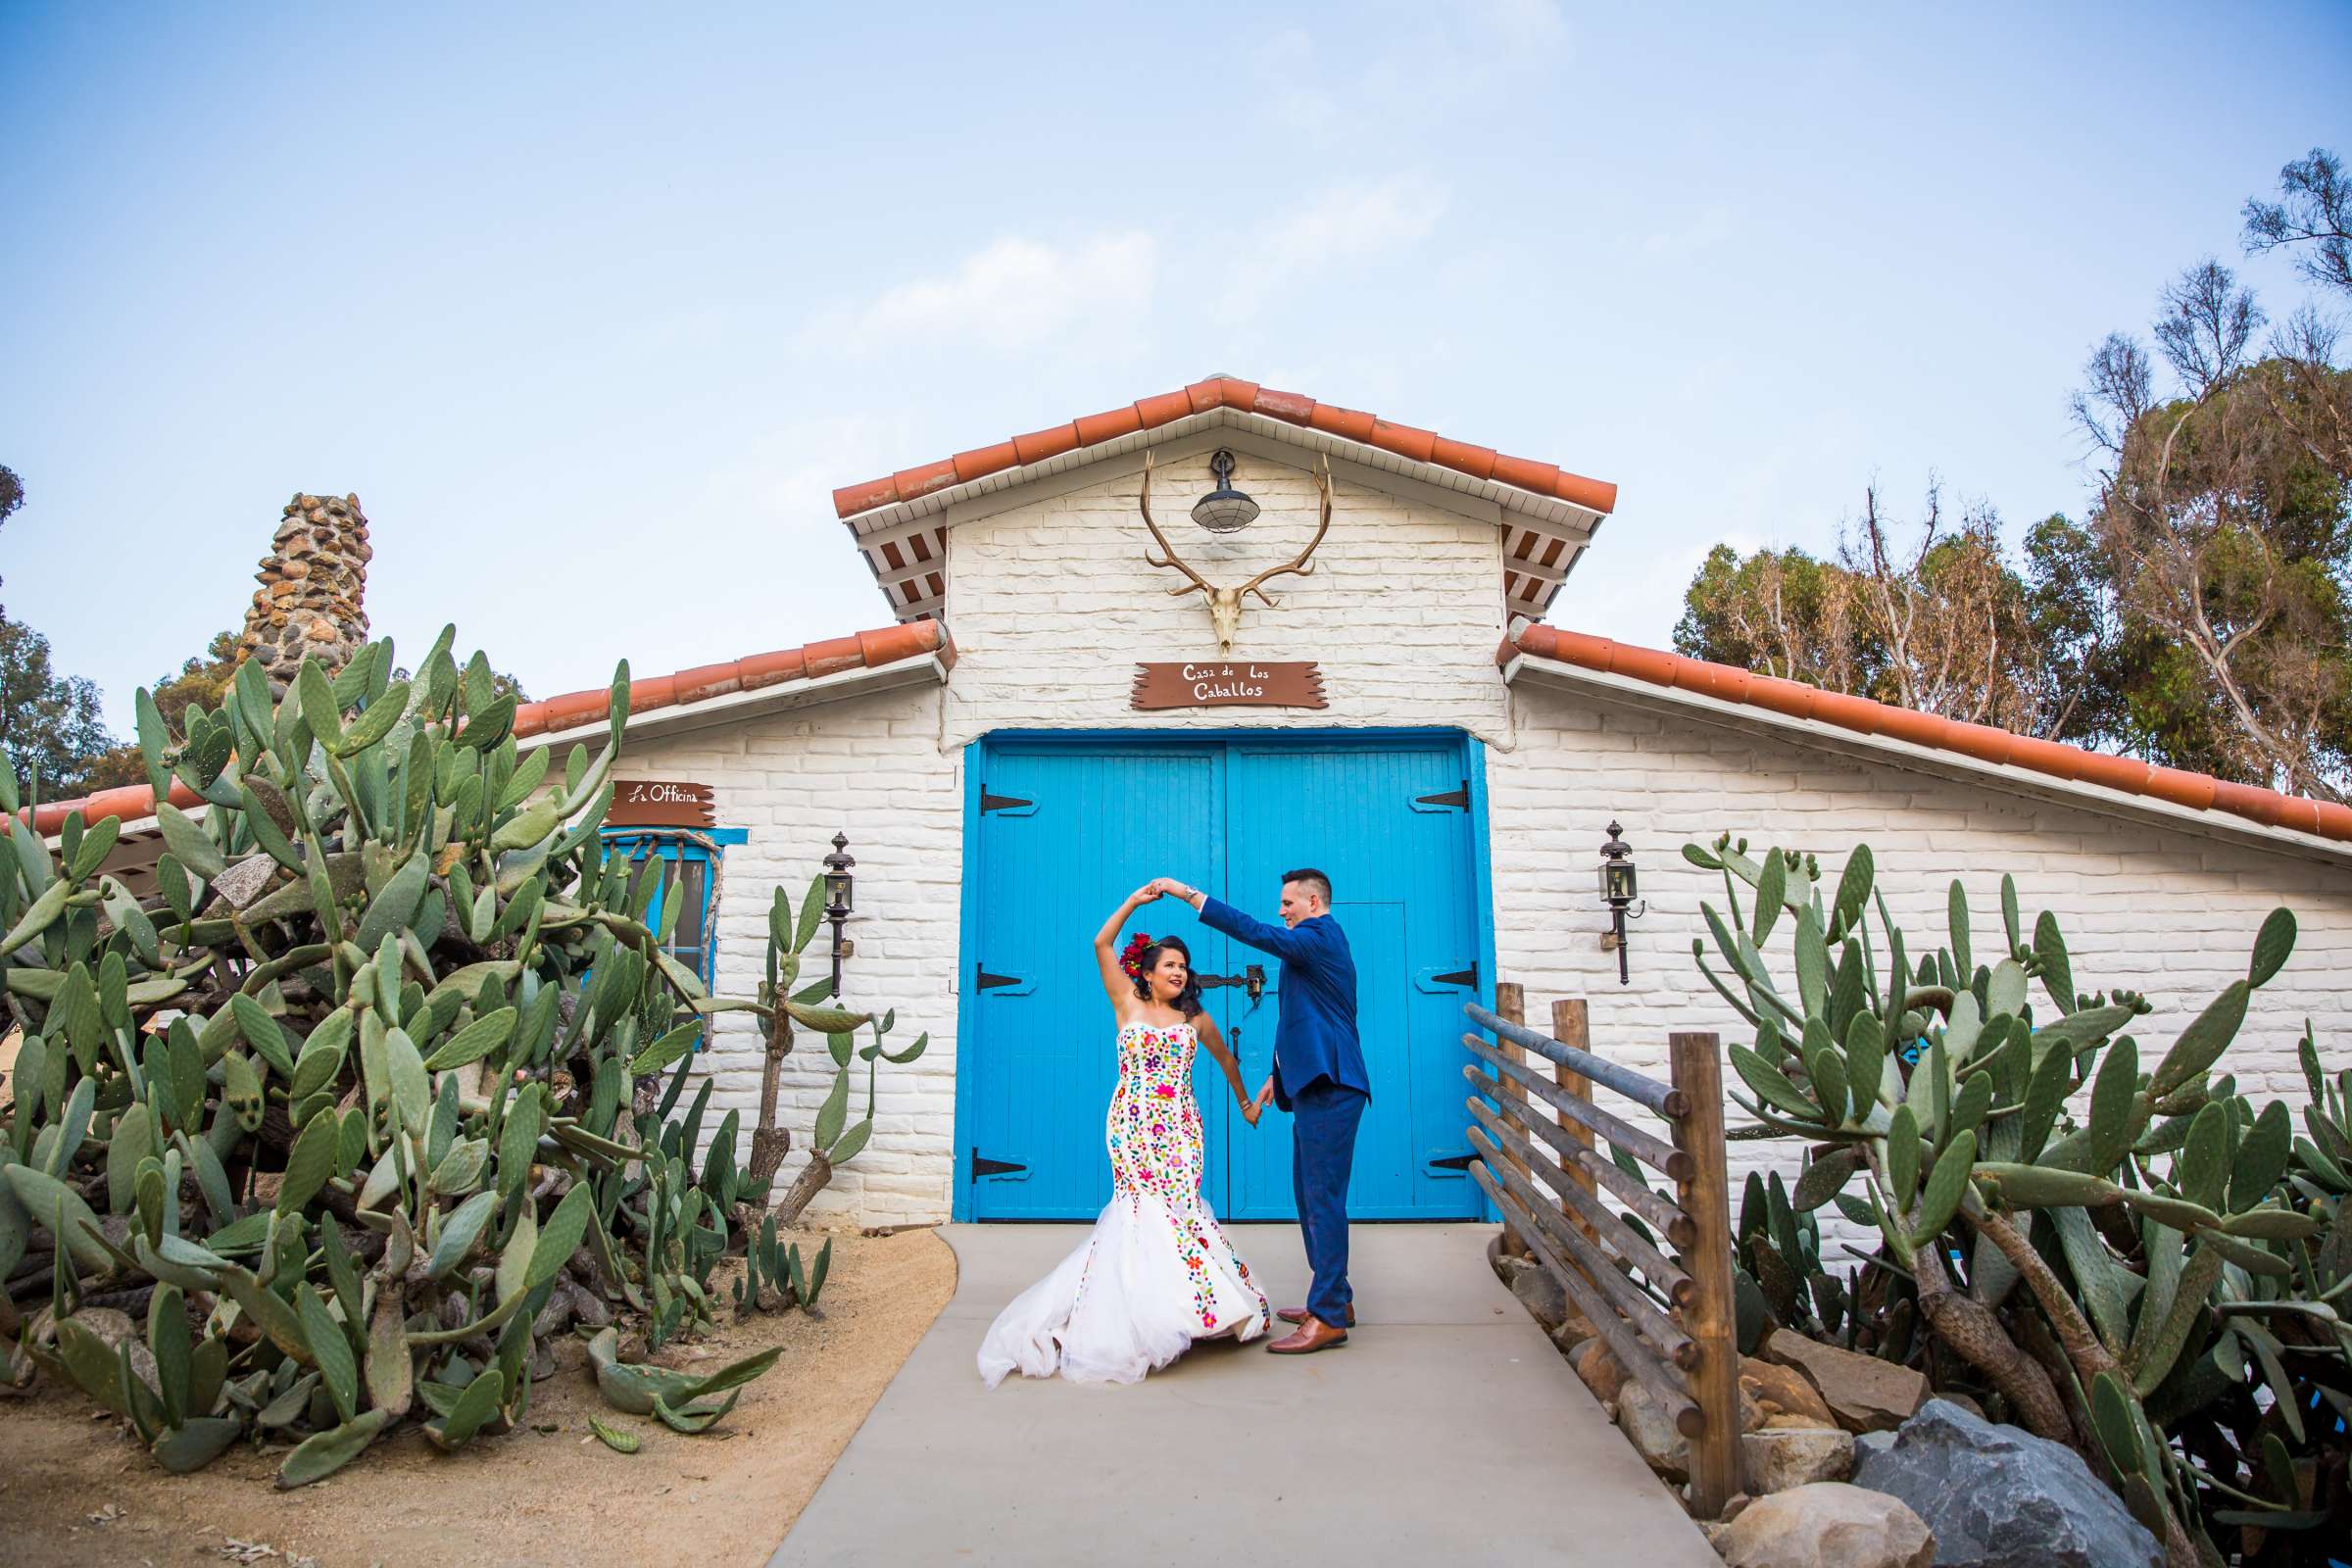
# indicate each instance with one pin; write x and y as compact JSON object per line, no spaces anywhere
{"x":1319,"y":1078}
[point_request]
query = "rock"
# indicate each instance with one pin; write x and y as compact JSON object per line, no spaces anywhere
{"x":1783,"y":1391}
{"x":111,"y":1326}
{"x":1827,"y":1525}
{"x":1997,"y":1496}
{"x":1540,"y":1294}
{"x":1784,"y":1422}
{"x":1870,"y":1443}
{"x":1573,"y":1332}
{"x":243,"y":882}
{"x":1780,"y":1457}
{"x":1863,"y":1392}
{"x":1600,"y":1370}
{"x":1652,"y":1433}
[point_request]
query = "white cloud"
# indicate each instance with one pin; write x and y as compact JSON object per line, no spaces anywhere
{"x":1345,"y":224}
{"x":1525,"y":26}
{"x":1415,"y":77}
{"x":1705,"y":229}
{"x":1015,"y":293}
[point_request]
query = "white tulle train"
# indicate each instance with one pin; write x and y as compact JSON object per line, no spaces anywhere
{"x":1145,"y":1283}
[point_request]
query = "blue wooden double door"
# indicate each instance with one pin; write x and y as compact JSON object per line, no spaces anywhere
{"x":1067,"y":829}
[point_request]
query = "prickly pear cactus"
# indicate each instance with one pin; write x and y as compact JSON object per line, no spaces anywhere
{"x":344,"y":1114}
{"x":2119,"y":1252}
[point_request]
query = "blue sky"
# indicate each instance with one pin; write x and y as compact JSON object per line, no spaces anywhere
{"x":592,"y":309}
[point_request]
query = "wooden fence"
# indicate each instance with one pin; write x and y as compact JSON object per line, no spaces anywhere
{"x":1667,"y":1320}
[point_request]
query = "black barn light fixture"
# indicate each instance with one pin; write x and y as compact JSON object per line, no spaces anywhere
{"x":1224,"y":510}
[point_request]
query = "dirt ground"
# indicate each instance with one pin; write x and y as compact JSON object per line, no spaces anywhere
{"x":78,"y":1490}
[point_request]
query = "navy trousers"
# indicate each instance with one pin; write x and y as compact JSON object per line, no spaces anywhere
{"x":1324,"y":1118}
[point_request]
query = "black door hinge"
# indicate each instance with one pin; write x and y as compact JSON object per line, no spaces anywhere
{"x":1455,"y":797}
{"x":982,"y":980}
{"x":1460,"y":977}
{"x":992,"y":1167}
{"x":1453,"y":1163}
{"x":999,"y":803}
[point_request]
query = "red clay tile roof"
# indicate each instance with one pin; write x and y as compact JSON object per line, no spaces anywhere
{"x":1421,"y":446}
{"x":2128,"y":775}
{"x":865,"y":648}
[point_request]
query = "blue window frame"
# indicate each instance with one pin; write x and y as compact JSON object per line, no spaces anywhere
{"x":689,"y":860}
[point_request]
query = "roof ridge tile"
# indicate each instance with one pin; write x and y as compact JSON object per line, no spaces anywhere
{"x":1247,"y":397}
{"x":886,"y":645}
{"x":1988,"y":743}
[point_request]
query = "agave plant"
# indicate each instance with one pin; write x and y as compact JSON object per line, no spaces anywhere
{"x":2150,"y":1275}
{"x":348,"y":1109}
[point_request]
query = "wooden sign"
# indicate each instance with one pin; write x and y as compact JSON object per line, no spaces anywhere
{"x":653,"y":803}
{"x":1229,"y":683}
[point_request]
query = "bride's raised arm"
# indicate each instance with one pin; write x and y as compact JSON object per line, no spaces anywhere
{"x":1115,"y":984}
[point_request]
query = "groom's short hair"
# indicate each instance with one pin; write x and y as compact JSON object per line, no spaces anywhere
{"x":1314,"y":881}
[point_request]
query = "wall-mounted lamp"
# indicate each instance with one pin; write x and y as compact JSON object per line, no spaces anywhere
{"x":1224,"y":510}
{"x":1620,"y":890}
{"x":841,"y":884}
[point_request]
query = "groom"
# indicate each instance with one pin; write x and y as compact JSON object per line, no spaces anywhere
{"x":1319,"y":1077}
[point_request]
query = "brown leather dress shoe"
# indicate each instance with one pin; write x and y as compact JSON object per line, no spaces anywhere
{"x":1313,"y":1335}
{"x":1297,"y":1314}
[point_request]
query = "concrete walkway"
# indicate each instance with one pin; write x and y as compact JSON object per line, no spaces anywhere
{"x":1447,"y":1430}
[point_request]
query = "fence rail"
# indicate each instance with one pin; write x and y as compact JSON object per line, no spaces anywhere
{"x":1667,"y":1320}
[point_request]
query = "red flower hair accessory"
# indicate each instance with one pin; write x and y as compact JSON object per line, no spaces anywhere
{"x":1131,"y":957}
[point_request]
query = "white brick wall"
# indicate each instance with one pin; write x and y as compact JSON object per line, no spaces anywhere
{"x":872,"y":768}
{"x":1051,"y":605}
{"x":2165,"y":912}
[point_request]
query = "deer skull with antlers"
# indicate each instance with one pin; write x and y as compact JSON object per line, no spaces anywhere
{"x":1225,"y":603}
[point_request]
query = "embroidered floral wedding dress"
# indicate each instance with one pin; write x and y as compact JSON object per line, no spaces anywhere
{"x":1155,"y":1273}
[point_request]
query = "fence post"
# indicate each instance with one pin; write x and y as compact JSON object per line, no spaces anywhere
{"x":1571,"y":1025}
{"x":1709,"y":1319}
{"x":1510,"y":1003}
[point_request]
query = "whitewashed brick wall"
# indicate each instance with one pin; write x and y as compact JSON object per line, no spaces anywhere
{"x":2162,"y":910}
{"x":1052,"y":605}
{"x":872,"y":768}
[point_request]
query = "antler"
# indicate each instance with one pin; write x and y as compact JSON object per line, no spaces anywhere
{"x":1198,"y":582}
{"x":1302,"y":564}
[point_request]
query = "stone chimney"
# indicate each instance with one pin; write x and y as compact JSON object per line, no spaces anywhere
{"x":314,"y":584}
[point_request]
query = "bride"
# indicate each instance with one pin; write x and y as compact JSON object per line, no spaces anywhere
{"x":1155,"y":1273}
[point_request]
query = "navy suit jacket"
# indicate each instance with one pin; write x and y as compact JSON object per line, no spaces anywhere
{"x":1314,"y":1033}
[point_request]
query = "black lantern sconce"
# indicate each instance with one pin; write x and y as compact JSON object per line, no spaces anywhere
{"x":1224,"y":510}
{"x":1620,"y":890}
{"x":841,"y":885}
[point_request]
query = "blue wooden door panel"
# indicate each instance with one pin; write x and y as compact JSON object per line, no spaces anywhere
{"x":1380,"y":816}
{"x":1402,"y":883}
{"x":1101,"y":822}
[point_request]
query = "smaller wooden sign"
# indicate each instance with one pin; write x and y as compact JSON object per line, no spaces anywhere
{"x":657,"y":802}
{"x":1230,"y":683}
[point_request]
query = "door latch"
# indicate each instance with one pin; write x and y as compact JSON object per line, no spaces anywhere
{"x":1251,"y":980}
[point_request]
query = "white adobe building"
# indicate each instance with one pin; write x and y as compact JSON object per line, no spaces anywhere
{"x":1399,"y":718}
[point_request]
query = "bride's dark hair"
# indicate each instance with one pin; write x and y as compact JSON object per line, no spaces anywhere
{"x":1188,"y":1001}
